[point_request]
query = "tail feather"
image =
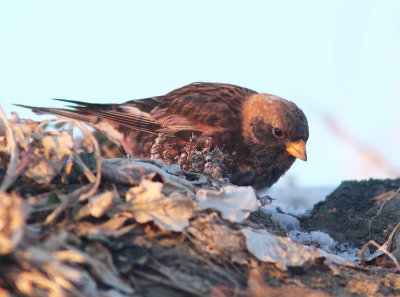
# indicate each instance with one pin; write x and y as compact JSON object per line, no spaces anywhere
{"x":73,"y":114}
{"x":135,"y":115}
{"x":92,"y":113}
{"x":82,"y":104}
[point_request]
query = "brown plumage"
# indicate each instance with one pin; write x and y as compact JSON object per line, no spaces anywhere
{"x":263,"y":133}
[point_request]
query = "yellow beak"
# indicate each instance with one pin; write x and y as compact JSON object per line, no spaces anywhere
{"x":297,"y":149}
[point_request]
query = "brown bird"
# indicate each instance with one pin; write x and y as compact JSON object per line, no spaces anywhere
{"x":263,"y":133}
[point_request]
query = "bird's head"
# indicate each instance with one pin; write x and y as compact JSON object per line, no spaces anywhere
{"x":274,"y":128}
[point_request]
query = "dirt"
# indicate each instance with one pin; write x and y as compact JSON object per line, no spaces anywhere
{"x":358,"y":211}
{"x":353,"y":214}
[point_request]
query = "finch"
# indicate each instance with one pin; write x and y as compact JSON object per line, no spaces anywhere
{"x":262,"y":133}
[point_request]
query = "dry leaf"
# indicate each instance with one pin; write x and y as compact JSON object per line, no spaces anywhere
{"x":51,"y":152}
{"x":22,"y":129}
{"x":210,"y":234}
{"x":46,"y":276}
{"x":43,"y":170}
{"x":233,"y":202}
{"x":112,"y":228}
{"x":100,"y":270}
{"x":271,"y":248}
{"x":58,"y":145}
{"x":148,"y":203}
{"x":4,"y":292}
{"x":12,"y":222}
{"x":99,"y":204}
{"x":133,"y":171}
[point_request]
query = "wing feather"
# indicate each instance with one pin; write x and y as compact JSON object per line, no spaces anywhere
{"x":198,"y":108}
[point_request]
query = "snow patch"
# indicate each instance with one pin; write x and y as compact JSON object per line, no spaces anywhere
{"x":325,"y":243}
{"x":286,"y":221}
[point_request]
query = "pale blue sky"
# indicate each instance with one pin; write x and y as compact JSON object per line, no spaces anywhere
{"x":336,"y":57}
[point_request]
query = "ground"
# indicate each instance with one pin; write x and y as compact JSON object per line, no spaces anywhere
{"x":75,"y":224}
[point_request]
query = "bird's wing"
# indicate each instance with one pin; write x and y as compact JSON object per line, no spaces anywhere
{"x":196,"y":108}
{"x":91,"y":113}
{"x":213,"y":104}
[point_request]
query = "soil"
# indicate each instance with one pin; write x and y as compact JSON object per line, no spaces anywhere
{"x":353,"y":214}
{"x":358,"y":211}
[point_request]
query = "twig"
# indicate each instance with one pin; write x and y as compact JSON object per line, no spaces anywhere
{"x":380,"y":209}
{"x":392,"y":242}
{"x":11,"y":172}
{"x":86,"y":191}
{"x":97,"y":151}
{"x":89,"y":175}
{"x":67,"y":200}
{"x":381,"y":248}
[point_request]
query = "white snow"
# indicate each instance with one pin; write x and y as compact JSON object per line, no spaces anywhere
{"x":325,"y":243}
{"x":286,"y":221}
{"x":291,"y":201}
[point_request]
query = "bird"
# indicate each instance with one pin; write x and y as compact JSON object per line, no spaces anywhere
{"x":263,"y":133}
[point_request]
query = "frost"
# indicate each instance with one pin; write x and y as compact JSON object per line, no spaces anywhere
{"x":287,"y":222}
{"x":233,"y":202}
{"x":325,"y":243}
{"x":323,"y":240}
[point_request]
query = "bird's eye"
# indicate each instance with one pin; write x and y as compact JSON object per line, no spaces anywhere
{"x":278,"y":132}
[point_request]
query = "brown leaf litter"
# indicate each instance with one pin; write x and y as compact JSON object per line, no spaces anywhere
{"x":75,"y":224}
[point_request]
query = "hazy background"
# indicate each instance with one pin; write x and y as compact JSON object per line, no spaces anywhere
{"x":338,"y":60}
